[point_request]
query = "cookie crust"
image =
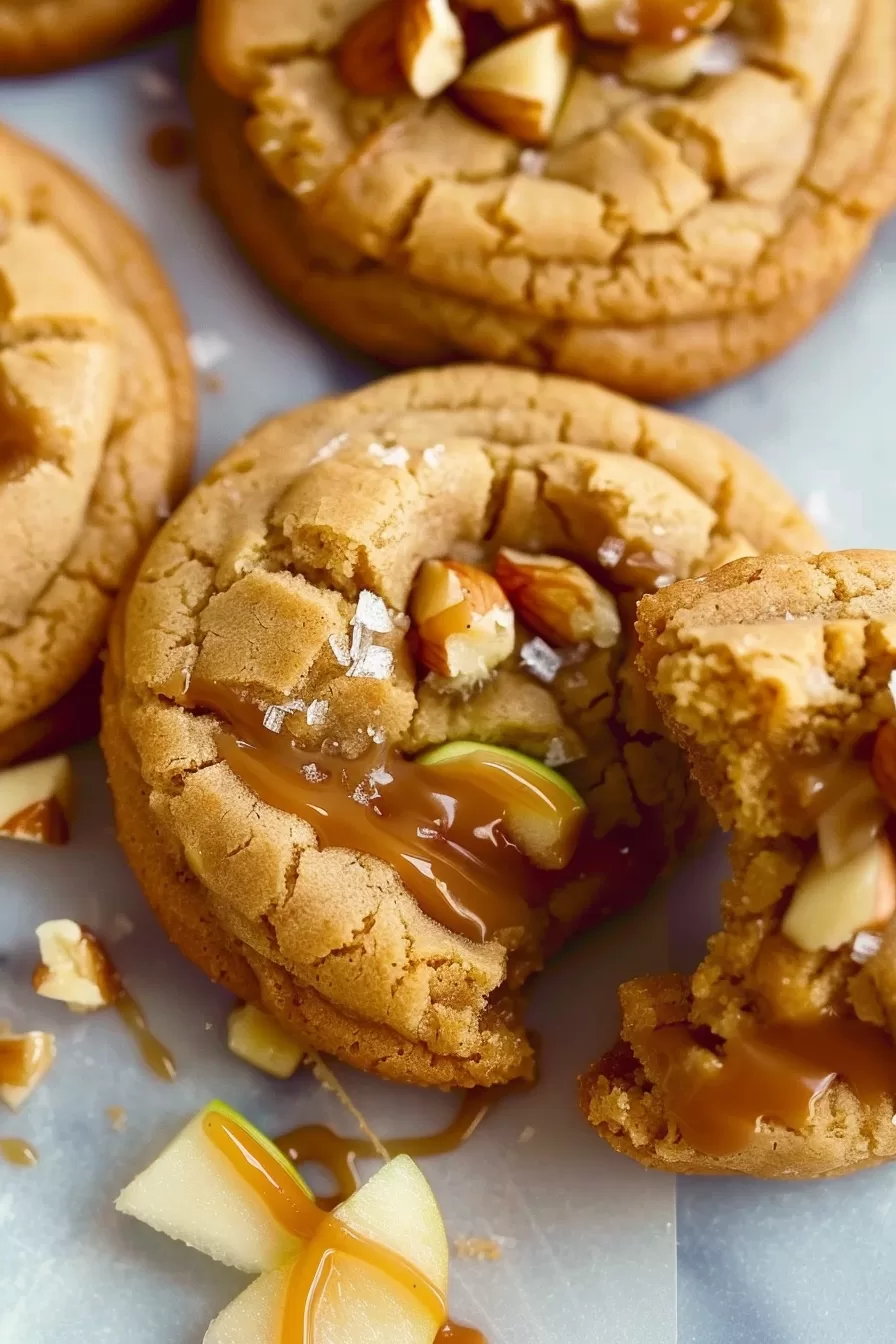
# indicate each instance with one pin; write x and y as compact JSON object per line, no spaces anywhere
{"x":123,"y":372}
{"x":304,"y":511}
{"x":733,"y":281}
{"x":39,"y":36}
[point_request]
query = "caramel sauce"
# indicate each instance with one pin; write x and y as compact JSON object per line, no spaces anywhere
{"x":775,"y":1072}
{"x":452,"y":1333}
{"x":44,"y":821}
{"x":667,"y":21}
{"x":339,"y":1155}
{"x":18,"y":1152}
{"x":326,"y":1236}
{"x":448,"y":845}
{"x":155,"y":1054}
{"x":170,"y":146}
{"x":18,"y":1056}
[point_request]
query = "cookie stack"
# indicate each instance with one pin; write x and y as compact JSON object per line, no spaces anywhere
{"x":422,"y":680}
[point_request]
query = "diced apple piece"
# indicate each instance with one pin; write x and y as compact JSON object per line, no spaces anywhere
{"x":520,"y":85}
{"x":543,"y":814}
{"x":254,"y":1036}
{"x":849,"y":825}
{"x":830,"y":906}
{"x":192,"y":1193}
{"x":397,"y":1209}
{"x":36,"y":801}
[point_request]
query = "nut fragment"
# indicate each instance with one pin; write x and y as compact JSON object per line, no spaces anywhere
{"x":464,"y":622}
{"x":851,"y":823}
{"x":666,"y":69}
{"x":830,"y":906}
{"x":36,"y":801}
{"x":24,"y":1059}
{"x":519,"y":86}
{"x":367,"y":59}
{"x":255,"y":1037}
{"x":558,"y":599}
{"x":430,"y":45}
{"x":74,"y":967}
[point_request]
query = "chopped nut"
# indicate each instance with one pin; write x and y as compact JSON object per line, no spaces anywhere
{"x":255,"y":1037}
{"x":367,"y":59}
{"x":663,"y":68}
{"x":24,"y":1059}
{"x":430,"y":45}
{"x":74,"y":967}
{"x":558,"y":599}
{"x":117,"y":1117}
{"x":464,"y":622}
{"x":36,"y":801}
{"x":519,"y":86}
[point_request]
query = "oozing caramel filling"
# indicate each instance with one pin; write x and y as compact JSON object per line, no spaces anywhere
{"x":447,"y":843}
{"x":775,"y":1072}
{"x":667,"y":21}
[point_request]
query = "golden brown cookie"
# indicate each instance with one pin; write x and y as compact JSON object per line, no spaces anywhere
{"x":97,"y":395}
{"x":286,"y":606}
{"x":776,"y":1058}
{"x":673,"y":229}
{"x":37,"y":36}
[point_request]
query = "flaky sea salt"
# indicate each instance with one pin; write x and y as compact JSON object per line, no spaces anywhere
{"x":433,"y":455}
{"x":394,"y":456}
{"x":329,"y":449}
{"x":610,"y":551}
{"x":316,"y":713}
{"x":865,"y":946}
{"x":375,"y":662}
{"x":372,"y":612}
{"x":723,"y":54}
{"x":208,"y":348}
{"x":340,"y":648}
{"x":540,"y":660}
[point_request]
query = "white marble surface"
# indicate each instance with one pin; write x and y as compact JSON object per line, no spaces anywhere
{"x":590,"y":1250}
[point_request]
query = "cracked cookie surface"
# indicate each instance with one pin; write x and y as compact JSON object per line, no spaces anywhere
{"x":774,"y":674}
{"x":258,"y":584}
{"x":37,"y":36}
{"x":660,"y":242}
{"x":98,"y":424}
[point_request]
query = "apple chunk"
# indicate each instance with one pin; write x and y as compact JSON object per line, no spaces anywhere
{"x":543,"y":812}
{"x":193,"y":1194}
{"x":36,"y":801}
{"x":396,"y":1209}
{"x":831,"y":905}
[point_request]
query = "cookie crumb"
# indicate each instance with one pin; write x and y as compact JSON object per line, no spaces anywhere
{"x":211,"y":382}
{"x":477,"y":1248}
{"x":117,"y":1117}
{"x":122,"y":926}
{"x":526,"y":1135}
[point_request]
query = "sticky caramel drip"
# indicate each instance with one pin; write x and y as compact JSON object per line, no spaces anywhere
{"x":453,"y":1333}
{"x":338,"y":1154}
{"x":154,"y":1053}
{"x":18,"y":1152}
{"x":326,"y":1236}
{"x":667,"y":21}
{"x":447,"y":843}
{"x":776,"y":1072}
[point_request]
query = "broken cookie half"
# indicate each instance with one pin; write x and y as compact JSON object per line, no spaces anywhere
{"x":776,"y":1058}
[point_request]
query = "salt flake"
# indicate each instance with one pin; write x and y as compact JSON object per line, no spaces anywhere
{"x":208,"y":348}
{"x":374,"y":662}
{"x":540,"y":660}
{"x":865,"y":946}
{"x":372,"y":612}
{"x":316,"y":712}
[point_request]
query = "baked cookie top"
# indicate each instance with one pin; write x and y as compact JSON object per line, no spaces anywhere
{"x":777,"y":1058}
{"x":296,"y":604}
{"x":40,"y":35}
{"x":571,"y":168}
{"x":98,"y":421}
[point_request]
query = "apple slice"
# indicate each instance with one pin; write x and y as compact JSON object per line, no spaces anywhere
{"x":831,"y":905}
{"x":193,"y":1193}
{"x":543,"y":814}
{"x":36,"y":801}
{"x":519,"y":86}
{"x":396,"y":1209}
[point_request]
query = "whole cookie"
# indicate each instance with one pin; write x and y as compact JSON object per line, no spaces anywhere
{"x":37,"y":36}
{"x":687,"y":212}
{"x":444,"y":557}
{"x":776,"y":1058}
{"x":97,"y":394}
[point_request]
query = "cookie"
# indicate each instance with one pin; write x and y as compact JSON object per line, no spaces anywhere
{"x":444,"y":557}
{"x":776,"y":1058}
{"x":37,"y":36}
{"x":673,"y":229}
{"x":97,"y":390}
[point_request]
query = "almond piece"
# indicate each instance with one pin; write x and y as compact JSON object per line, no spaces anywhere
{"x":883,"y":762}
{"x":430,"y":45}
{"x":256,"y":1038}
{"x":558,"y":599}
{"x":367,"y":59}
{"x":36,"y":801}
{"x":74,"y":967}
{"x":24,"y":1059}
{"x":464,"y":622}
{"x":519,"y":86}
{"x":851,"y":823}
{"x":830,"y":906}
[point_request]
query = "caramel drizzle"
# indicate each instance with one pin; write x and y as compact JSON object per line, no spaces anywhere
{"x":155,"y":1055}
{"x":19,"y":1153}
{"x":773,"y":1072}
{"x":326,"y":1236}
{"x":665,"y":22}
{"x":339,"y":1155}
{"x":448,"y":845}
{"x":44,"y":821}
